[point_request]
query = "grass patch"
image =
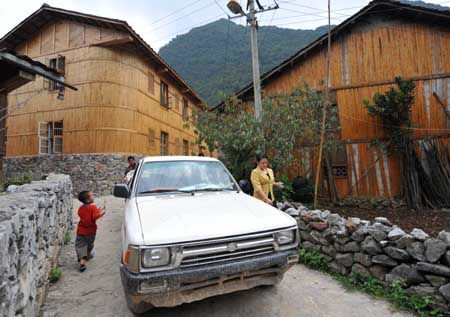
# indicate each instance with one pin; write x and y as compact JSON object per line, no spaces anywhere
{"x":394,"y":293}
{"x":54,"y":275}
{"x":25,"y":179}
{"x":67,"y":238}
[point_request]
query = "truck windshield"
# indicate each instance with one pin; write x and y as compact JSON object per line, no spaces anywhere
{"x":184,"y":176}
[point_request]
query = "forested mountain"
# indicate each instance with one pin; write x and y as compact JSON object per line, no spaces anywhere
{"x":216,"y":58}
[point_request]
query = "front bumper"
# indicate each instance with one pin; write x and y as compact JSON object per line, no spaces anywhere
{"x":174,"y":287}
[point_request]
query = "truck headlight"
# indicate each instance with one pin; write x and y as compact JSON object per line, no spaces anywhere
{"x":155,"y":257}
{"x":285,"y":237}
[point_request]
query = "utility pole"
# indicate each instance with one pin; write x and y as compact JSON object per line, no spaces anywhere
{"x":236,"y":8}
{"x":255,"y":59}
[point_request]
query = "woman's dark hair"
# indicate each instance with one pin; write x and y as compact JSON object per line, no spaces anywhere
{"x":131,"y":158}
{"x":83,"y":196}
{"x":261,"y":156}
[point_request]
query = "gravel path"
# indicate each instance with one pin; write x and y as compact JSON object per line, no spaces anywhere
{"x":98,"y":291}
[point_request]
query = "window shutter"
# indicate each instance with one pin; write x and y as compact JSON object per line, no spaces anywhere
{"x":44,"y":137}
{"x":151,"y":137}
{"x":45,"y":81}
{"x":61,"y":65}
{"x":151,"y":83}
{"x":177,"y":102}
{"x":177,"y":146}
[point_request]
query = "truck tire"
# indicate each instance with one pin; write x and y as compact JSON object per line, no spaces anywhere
{"x":137,"y":307}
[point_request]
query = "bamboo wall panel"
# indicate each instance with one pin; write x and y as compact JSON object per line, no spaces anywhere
{"x":113,"y":110}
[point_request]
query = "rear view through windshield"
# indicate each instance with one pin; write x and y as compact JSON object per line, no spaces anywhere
{"x":184,"y":176}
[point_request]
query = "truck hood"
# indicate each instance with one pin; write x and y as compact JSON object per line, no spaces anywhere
{"x":181,"y":218}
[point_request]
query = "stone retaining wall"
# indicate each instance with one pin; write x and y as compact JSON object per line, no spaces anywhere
{"x":33,"y":223}
{"x":379,"y":249}
{"x":96,"y":172}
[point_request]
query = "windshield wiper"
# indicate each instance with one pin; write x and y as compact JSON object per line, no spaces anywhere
{"x":155,"y":191}
{"x":207,"y":189}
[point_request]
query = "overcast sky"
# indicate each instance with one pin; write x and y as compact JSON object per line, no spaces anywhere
{"x":158,"y":21}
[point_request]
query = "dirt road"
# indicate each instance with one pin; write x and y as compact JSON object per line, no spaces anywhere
{"x":98,"y":291}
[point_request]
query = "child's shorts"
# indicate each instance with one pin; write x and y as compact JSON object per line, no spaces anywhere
{"x":84,"y":245}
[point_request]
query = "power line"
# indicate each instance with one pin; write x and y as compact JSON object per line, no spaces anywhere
{"x":220,"y":7}
{"x":171,"y":14}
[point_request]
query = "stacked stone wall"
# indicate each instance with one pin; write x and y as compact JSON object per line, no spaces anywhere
{"x":34,"y":219}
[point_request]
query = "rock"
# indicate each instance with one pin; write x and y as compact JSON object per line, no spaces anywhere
{"x":370,"y":246}
{"x":447,"y":258}
{"x":378,"y":271}
{"x":359,"y":234}
{"x":352,"y":224}
{"x":335,"y":220}
{"x":363,"y":259}
{"x":352,"y":246}
{"x":317,"y":236}
{"x":301,"y":224}
{"x":286,"y":205}
{"x":421,"y":290}
{"x":397,"y":253}
{"x":381,"y":227}
{"x":12,"y":188}
{"x":434,"y":249}
{"x":396,"y":233}
{"x":359,"y":269}
{"x":319,"y":226}
{"x":406,"y":273}
{"x":417,"y":251}
{"x":437,"y":281}
{"x":292,"y":212}
{"x":383,"y":221}
{"x":419,"y":234}
{"x":279,"y":205}
{"x":325,"y":214}
{"x":310,"y":246}
{"x":445,"y":291}
{"x":387,"y":243}
{"x":306,"y":236}
{"x":329,"y":250}
{"x":384,"y":260}
{"x":405,"y":241}
{"x":316,"y":215}
{"x":437,"y":269}
{"x":376,"y":233}
{"x":365,"y":223}
{"x":335,"y":267}
{"x":344,"y":259}
{"x":445,"y":236}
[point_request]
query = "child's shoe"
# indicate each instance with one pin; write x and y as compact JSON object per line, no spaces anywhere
{"x":82,"y":268}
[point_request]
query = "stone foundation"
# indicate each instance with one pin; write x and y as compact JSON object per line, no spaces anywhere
{"x":380,"y":249}
{"x":96,"y":172}
{"x":33,"y":222}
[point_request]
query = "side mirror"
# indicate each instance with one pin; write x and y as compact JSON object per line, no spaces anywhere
{"x":121,"y":191}
{"x":246,"y":186}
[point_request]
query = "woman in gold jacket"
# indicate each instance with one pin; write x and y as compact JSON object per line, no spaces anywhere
{"x":263,"y":180}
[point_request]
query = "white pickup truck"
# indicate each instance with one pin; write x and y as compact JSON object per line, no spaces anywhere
{"x":190,"y":233}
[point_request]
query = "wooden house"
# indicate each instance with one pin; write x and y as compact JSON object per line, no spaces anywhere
{"x":129,"y":100}
{"x":383,"y":40}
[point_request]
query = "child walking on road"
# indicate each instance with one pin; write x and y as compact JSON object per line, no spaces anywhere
{"x":87,"y":228}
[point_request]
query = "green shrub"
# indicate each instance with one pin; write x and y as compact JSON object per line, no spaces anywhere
{"x":54,"y":275}
{"x":67,"y":237}
{"x":285,"y":193}
{"x":313,"y":259}
{"x":302,"y":189}
{"x":25,"y":179}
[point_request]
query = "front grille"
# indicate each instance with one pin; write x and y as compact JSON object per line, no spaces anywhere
{"x":240,"y":248}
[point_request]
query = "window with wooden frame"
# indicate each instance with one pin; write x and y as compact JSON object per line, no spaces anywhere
{"x":185,"y":113}
{"x":151,"y":83}
{"x":164,"y":94}
{"x":50,"y":137}
{"x":59,"y":64}
{"x":164,"y":143}
{"x":185,"y":147}
{"x":177,"y":102}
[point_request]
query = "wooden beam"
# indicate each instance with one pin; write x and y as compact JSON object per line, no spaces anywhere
{"x":20,"y":79}
{"x":34,"y":69}
{"x":114,"y":42}
{"x":162,"y":70}
{"x":442,"y":104}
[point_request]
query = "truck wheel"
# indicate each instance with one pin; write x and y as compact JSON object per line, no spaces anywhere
{"x":137,"y":306}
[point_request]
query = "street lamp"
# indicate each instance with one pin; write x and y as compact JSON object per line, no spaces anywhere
{"x":235,"y":7}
